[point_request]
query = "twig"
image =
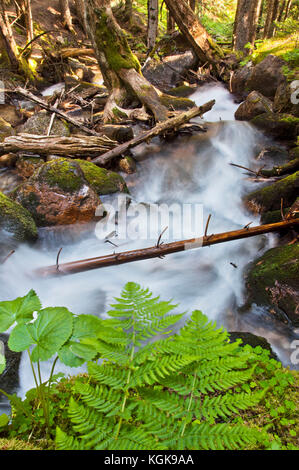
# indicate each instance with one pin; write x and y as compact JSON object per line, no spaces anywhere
{"x":57,"y":259}
{"x":8,"y":256}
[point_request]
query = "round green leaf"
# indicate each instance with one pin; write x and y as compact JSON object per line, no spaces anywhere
{"x":86,"y":351}
{"x":86,"y":326}
{"x":20,"y":310}
{"x":20,"y":338}
{"x":50,"y":331}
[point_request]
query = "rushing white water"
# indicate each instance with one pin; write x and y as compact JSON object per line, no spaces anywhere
{"x":193,"y":170}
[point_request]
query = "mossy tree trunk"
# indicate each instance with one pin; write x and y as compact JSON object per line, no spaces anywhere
{"x":120,"y":67}
{"x":200,"y":40}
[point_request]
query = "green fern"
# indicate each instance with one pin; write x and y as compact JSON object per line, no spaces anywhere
{"x":151,"y":393}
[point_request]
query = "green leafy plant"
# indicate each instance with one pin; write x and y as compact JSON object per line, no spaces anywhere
{"x":172,"y":393}
{"x":45,"y":333}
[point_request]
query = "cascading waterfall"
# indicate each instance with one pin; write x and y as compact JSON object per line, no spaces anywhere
{"x":189,"y":170}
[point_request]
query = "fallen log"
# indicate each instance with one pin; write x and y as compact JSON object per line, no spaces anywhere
{"x":74,"y":146}
{"x":160,"y":129}
{"x":27,"y":94}
{"x":161,"y":250}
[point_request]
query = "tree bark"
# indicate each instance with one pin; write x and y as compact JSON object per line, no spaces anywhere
{"x":170,"y":23}
{"x":120,"y":67}
{"x":192,"y":4}
{"x":153,"y":21}
{"x":7,"y":39}
{"x":161,"y":250}
{"x":202,"y":43}
{"x":246,"y":20}
{"x":272,"y":13}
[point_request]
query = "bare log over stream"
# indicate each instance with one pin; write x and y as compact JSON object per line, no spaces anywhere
{"x":54,"y":145}
{"x":161,"y":250}
{"x":159,"y":129}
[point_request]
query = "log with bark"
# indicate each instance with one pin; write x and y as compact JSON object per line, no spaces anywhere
{"x":75,"y":146}
{"x":161,"y":250}
{"x":160,"y":129}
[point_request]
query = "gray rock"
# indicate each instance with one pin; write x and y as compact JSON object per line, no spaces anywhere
{"x":254,"y":105}
{"x":9,"y":379}
{"x":266,"y":76}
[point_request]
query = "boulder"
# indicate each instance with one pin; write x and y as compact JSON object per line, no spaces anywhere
{"x":102,"y":181}
{"x":38,"y":124}
{"x":127,"y":165}
{"x":254,"y":105}
{"x":26,"y":166}
{"x":169,"y":73}
{"x":239,"y":79}
{"x":10,"y":114}
{"x":16,"y":220}
{"x":283,"y":100}
{"x":269,"y":198}
{"x":58,"y":194}
{"x":273,"y":281}
{"x":279,"y":126}
{"x":266,"y":76}
{"x":253,"y":340}
{"x":9,"y":181}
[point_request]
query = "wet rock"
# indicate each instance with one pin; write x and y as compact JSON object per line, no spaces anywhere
{"x":266,"y":76}
{"x":254,"y":105}
{"x":58,"y":194}
{"x":252,"y":340}
{"x":283,"y":102}
{"x":269,"y":198}
{"x":273,"y":281}
{"x":9,"y":379}
{"x":279,"y":126}
{"x":16,"y":220}
{"x":26,"y":166}
{"x":5,"y":129}
{"x":167,"y":74}
{"x":38,"y":124}
{"x":239,"y":79}
{"x":274,"y":154}
{"x":102,"y":181}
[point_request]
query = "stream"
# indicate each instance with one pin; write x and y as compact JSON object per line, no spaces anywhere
{"x":191,"y":170}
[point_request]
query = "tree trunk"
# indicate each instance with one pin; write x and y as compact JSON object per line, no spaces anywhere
{"x":282,"y":8}
{"x":170,"y":23}
{"x":192,"y":4}
{"x":66,"y":15}
{"x":202,"y":43}
{"x":120,"y":67}
{"x":288,"y":8}
{"x":247,"y":16}
{"x":272,"y":13}
{"x":128,"y":10}
{"x":8,"y":44}
{"x":153,"y":21}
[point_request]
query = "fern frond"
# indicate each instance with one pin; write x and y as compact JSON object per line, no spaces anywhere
{"x":65,"y":442}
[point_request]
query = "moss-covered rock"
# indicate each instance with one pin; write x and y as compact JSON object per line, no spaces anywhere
{"x":273,"y":281}
{"x":5,"y":129}
{"x":269,"y":198}
{"x":101,"y":180}
{"x":58,"y":194}
{"x":254,"y":105}
{"x":280,"y":126}
{"x":16,"y":220}
{"x":38,"y":124}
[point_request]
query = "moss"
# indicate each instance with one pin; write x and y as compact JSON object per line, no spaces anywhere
{"x":269,"y":198}
{"x":279,"y":125}
{"x":17,"y":220}
{"x":63,"y":174}
{"x":16,"y":444}
{"x":273,"y":280}
{"x":281,"y":47}
{"x":114,"y":44}
{"x":101,"y":180}
{"x":177,"y":103}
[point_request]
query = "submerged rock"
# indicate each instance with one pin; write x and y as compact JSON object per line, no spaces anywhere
{"x":16,"y":220}
{"x":38,"y":124}
{"x":254,"y":105}
{"x":273,"y":281}
{"x":58,"y":194}
{"x":269,"y":198}
{"x":280,"y":126}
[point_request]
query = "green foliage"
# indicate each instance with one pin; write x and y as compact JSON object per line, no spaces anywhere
{"x":172,"y":393}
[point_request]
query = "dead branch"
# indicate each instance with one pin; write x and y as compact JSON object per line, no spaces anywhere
{"x":53,"y":145}
{"x":161,"y":250}
{"x":160,"y":129}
